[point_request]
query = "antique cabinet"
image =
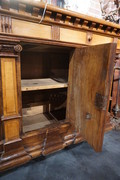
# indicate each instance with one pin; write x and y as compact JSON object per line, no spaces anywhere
{"x":55,"y":80}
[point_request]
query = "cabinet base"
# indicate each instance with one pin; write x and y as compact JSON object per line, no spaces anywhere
{"x":37,"y":143}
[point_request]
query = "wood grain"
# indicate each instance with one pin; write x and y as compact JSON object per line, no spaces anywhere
{"x":82,"y":111}
{"x":74,"y":36}
{"x":41,"y":84}
{"x":12,"y":130}
{"x":71,"y":19}
{"x":55,"y":30}
{"x":29,"y":29}
{"x":59,"y":28}
{"x":9,"y":86}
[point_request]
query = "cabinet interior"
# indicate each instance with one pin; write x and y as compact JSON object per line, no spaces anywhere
{"x":44,"y":82}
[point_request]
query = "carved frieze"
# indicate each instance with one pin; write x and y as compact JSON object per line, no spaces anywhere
{"x":10,"y":48}
{"x":5,"y":24}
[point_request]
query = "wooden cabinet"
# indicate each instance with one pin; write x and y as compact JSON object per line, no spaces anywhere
{"x":55,"y":81}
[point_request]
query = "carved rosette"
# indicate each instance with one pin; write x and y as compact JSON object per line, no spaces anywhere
{"x":18,"y":48}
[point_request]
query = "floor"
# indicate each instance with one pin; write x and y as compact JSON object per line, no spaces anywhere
{"x":78,"y":162}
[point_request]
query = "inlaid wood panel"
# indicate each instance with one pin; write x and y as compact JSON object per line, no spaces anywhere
{"x":9,"y":86}
{"x":11,"y":128}
{"x":29,"y":29}
{"x":73,"y":36}
{"x":98,"y":39}
{"x":80,"y":37}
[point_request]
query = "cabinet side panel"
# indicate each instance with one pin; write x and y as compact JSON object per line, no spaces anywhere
{"x":9,"y":86}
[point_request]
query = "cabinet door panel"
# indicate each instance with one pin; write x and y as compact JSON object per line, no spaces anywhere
{"x":90,"y":78}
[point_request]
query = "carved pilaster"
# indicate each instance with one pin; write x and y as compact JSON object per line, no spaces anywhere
{"x":5,"y":24}
{"x":13,"y":49}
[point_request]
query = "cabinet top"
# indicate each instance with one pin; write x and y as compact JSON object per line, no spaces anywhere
{"x":33,"y":11}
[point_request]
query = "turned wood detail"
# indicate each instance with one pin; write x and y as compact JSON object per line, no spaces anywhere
{"x":5,"y":24}
{"x":33,"y":12}
{"x":18,"y":48}
{"x":89,"y":37}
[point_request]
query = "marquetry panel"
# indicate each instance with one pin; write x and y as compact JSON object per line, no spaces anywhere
{"x":73,"y":36}
{"x":9,"y":86}
{"x":11,"y":128}
{"x":29,"y":29}
{"x":98,"y":39}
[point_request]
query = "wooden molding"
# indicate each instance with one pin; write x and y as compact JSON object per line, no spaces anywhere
{"x":59,"y":17}
{"x":10,"y":48}
{"x":89,"y":37}
{"x":5,"y":24}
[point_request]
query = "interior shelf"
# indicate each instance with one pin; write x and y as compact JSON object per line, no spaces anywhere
{"x":41,"y":84}
{"x":37,"y":121}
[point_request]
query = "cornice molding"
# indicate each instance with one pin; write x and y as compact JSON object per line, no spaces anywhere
{"x":32,"y":11}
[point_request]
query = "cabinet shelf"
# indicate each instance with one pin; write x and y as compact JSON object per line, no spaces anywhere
{"x":41,"y":84}
{"x":38,"y":121}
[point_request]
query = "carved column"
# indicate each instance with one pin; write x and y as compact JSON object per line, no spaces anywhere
{"x":10,"y":94}
{"x":10,"y":91}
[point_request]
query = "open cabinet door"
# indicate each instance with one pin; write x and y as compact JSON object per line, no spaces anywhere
{"x":90,"y":79}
